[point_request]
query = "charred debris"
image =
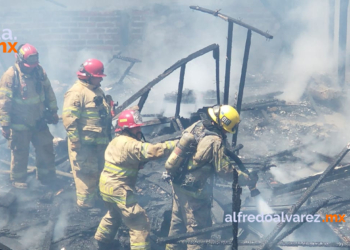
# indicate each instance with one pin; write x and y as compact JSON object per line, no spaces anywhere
{"x":44,"y":219}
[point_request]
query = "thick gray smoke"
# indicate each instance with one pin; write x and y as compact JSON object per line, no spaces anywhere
{"x":300,"y":51}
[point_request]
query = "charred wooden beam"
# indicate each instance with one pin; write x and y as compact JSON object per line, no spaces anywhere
{"x":242,"y":81}
{"x":179,"y":91}
{"x":142,"y":100}
{"x":167,"y":72}
{"x":269,"y":239}
{"x":256,"y":243}
{"x":306,"y":182}
{"x":216,"y":55}
{"x":295,"y":227}
{"x":125,"y":58}
{"x":228,"y":62}
{"x":126,"y":72}
{"x":262,"y":105}
{"x":176,"y":238}
{"x":236,"y":207}
{"x":233,"y":20}
{"x":158,"y":121}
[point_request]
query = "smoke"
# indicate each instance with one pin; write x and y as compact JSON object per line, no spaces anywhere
{"x":62,"y":222}
{"x":310,"y":49}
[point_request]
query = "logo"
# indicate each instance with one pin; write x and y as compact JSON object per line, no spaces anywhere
{"x":225,"y":120}
{"x":8,"y":47}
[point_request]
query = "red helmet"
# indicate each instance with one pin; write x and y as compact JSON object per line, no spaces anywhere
{"x":91,"y":68}
{"x":28,"y":55}
{"x":129,"y":119}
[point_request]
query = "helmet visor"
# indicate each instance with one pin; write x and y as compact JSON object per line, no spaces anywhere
{"x":32,"y":60}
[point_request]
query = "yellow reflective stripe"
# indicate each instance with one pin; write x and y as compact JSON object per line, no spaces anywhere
{"x":140,"y":245}
{"x":103,"y":230}
{"x":72,"y":111}
{"x":223,"y":162}
{"x":100,"y":140}
{"x":118,"y":199}
{"x":19,"y":127}
{"x":33,"y":100}
{"x":191,"y":165}
{"x":144,"y":148}
{"x":170,"y":144}
{"x":5,"y":118}
{"x":169,"y":247}
{"x":73,"y":135}
{"x":6,"y":92}
{"x":109,"y":167}
{"x":86,"y":197}
{"x":90,"y":114}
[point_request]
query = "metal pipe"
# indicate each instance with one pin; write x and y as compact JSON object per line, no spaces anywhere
{"x":343,"y":20}
{"x":228,"y":62}
{"x":242,"y":81}
{"x":179,"y":91}
{"x":233,"y":20}
{"x":267,"y":243}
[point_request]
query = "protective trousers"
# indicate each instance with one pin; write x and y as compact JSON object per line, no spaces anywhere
{"x":188,"y":215}
{"x":87,"y":164}
{"x":133,"y":216}
{"x":19,"y":143}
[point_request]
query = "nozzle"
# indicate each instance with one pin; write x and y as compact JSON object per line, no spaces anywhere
{"x":254,"y":192}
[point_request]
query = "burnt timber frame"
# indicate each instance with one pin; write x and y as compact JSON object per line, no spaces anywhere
{"x":251,"y":29}
{"x":143,"y":92}
{"x":127,"y":71}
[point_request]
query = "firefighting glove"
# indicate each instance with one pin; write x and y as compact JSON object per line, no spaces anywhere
{"x":247,"y":180}
{"x":6,"y":132}
{"x":75,"y":146}
{"x":55,"y":118}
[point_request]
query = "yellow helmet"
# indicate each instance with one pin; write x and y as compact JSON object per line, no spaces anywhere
{"x":226,"y":116}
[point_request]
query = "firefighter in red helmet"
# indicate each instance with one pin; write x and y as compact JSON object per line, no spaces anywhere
{"x":27,"y":105}
{"x":87,"y":119}
{"x":124,"y":156}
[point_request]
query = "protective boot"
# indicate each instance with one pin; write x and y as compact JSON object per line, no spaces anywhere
{"x":103,"y":245}
{"x":20,"y":185}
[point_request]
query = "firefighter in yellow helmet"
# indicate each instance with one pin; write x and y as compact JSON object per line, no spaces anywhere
{"x":87,"y":119}
{"x":27,"y":105}
{"x":124,"y":156}
{"x":192,"y":192}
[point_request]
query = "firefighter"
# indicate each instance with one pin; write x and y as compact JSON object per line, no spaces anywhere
{"x":124,"y":156}
{"x":87,"y":120}
{"x":27,"y":105}
{"x":192,"y":186}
